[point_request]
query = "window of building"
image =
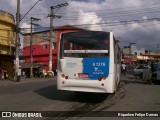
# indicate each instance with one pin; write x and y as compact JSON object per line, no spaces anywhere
{"x":45,"y":46}
{"x":53,"y":45}
{"x":45,"y":34}
{"x":34,"y":41}
{"x":135,"y":53}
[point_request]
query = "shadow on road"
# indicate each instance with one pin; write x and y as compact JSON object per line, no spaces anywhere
{"x":133,"y":81}
{"x":52,"y":93}
{"x":130,"y":78}
{"x":139,"y":81}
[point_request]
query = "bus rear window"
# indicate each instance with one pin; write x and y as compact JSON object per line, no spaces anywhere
{"x":85,"y":44}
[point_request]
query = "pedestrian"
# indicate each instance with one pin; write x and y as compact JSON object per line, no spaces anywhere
{"x":123,"y":67}
{"x":2,"y":73}
{"x":13,"y":74}
{"x":5,"y":73}
{"x":44,"y":73}
{"x":23,"y":74}
{"x":19,"y":74}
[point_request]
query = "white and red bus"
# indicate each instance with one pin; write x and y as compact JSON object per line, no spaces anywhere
{"x":88,"y":61}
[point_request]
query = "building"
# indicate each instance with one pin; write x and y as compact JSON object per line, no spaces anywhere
{"x":133,"y":54}
{"x":7,"y":38}
{"x":41,"y":46}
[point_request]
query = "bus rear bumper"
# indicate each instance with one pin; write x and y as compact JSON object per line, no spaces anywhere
{"x":86,"y":86}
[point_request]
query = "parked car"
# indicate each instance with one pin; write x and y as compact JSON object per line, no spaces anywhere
{"x":138,"y":71}
{"x":156,"y":73}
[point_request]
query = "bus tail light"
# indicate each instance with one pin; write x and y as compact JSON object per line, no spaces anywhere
{"x":99,"y":79}
{"x":66,"y":77}
{"x":104,"y":77}
{"x":62,"y":75}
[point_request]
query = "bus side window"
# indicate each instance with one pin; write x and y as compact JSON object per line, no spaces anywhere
{"x":75,"y":46}
{"x":70,"y":46}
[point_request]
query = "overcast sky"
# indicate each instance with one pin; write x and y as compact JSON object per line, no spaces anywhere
{"x":130,"y":20}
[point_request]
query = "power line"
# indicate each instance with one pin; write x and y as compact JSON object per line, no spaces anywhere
{"x":120,"y":22}
{"x":144,"y":9}
{"x":140,"y":11}
{"x":107,"y":23}
{"x":30,"y":9}
{"x":116,"y":23}
{"x":65,"y":18}
{"x":120,"y":8}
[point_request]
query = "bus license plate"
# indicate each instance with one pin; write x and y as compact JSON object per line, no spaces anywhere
{"x":82,"y":75}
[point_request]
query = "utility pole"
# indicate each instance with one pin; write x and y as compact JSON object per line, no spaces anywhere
{"x":31,"y":50}
{"x":57,"y":7}
{"x":17,"y":42}
{"x":50,"y":41}
{"x":130,"y":44}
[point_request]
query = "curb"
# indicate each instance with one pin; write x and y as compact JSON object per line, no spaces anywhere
{"x":23,"y":81}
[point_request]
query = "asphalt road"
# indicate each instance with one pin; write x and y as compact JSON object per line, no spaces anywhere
{"x":42,"y":95}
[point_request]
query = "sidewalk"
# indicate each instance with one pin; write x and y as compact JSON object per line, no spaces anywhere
{"x":25,"y":80}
